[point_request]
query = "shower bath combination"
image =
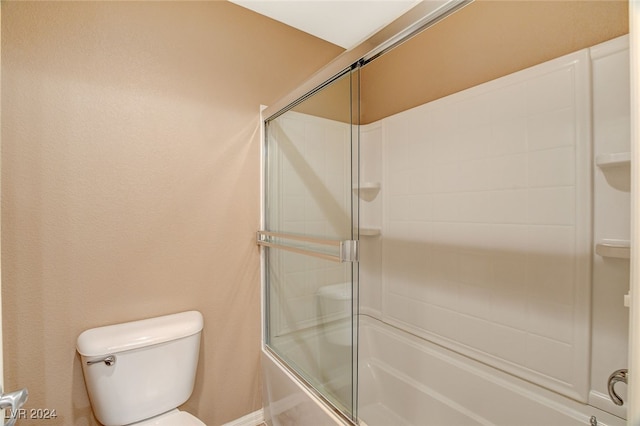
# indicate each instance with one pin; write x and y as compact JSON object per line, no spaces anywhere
{"x":457,"y":252}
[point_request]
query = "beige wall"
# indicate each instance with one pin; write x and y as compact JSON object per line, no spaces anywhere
{"x":485,"y":40}
{"x":130,"y":184}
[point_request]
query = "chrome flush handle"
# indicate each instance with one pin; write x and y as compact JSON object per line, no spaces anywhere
{"x":108,"y":360}
{"x":615,"y":377}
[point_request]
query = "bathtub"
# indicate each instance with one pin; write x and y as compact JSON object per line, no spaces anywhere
{"x":405,"y":380}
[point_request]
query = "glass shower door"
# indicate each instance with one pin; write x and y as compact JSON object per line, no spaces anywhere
{"x":310,"y":240}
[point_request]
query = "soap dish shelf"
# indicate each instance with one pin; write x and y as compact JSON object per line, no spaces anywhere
{"x":617,"y":159}
{"x":619,"y":249}
{"x":368,"y":191}
{"x":369,"y":232}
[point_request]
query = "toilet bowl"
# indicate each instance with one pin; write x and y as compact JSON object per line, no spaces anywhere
{"x":138,"y":373}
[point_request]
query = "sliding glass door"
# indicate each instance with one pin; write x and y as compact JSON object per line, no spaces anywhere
{"x":310,"y":239}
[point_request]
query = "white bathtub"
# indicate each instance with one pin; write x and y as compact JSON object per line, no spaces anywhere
{"x":405,"y":380}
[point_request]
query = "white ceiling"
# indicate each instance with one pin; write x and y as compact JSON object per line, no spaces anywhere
{"x":342,"y":22}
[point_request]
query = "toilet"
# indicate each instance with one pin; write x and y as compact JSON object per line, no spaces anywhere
{"x":138,"y":373}
{"x":335,"y":306}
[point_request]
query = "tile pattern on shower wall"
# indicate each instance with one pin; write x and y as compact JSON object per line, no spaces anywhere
{"x":312,"y":159}
{"x":486,"y":230}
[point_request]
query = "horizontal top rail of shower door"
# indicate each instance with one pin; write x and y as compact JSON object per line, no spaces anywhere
{"x":348,"y":249}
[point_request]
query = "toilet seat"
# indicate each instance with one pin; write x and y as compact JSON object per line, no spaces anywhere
{"x":172,"y":418}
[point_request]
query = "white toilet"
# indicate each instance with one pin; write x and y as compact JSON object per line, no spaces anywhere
{"x":139,"y":372}
{"x":335,"y":306}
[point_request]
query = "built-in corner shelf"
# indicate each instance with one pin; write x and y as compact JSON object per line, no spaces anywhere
{"x":620,"y":249}
{"x":368,"y":191}
{"x":617,"y":159}
{"x":369,"y":232}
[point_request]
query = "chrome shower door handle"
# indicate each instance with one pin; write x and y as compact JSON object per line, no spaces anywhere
{"x":13,"y":401}
{"x":615,"y":377}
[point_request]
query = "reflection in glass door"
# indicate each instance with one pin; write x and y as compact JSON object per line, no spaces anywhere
{"x":310,"y":240}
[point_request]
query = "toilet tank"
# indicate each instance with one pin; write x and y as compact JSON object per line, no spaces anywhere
{"x":335,"y":307}
{"x":153,"y":369}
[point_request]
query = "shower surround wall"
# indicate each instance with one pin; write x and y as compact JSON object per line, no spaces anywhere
{"x":487,"y":223}
{"x":486,"y":234}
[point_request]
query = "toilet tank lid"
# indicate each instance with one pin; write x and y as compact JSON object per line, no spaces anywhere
{"x":126,"y":336}
{"x":340,"y":291}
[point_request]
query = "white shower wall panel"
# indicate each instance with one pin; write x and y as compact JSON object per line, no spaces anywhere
{"x":486,"y":223}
